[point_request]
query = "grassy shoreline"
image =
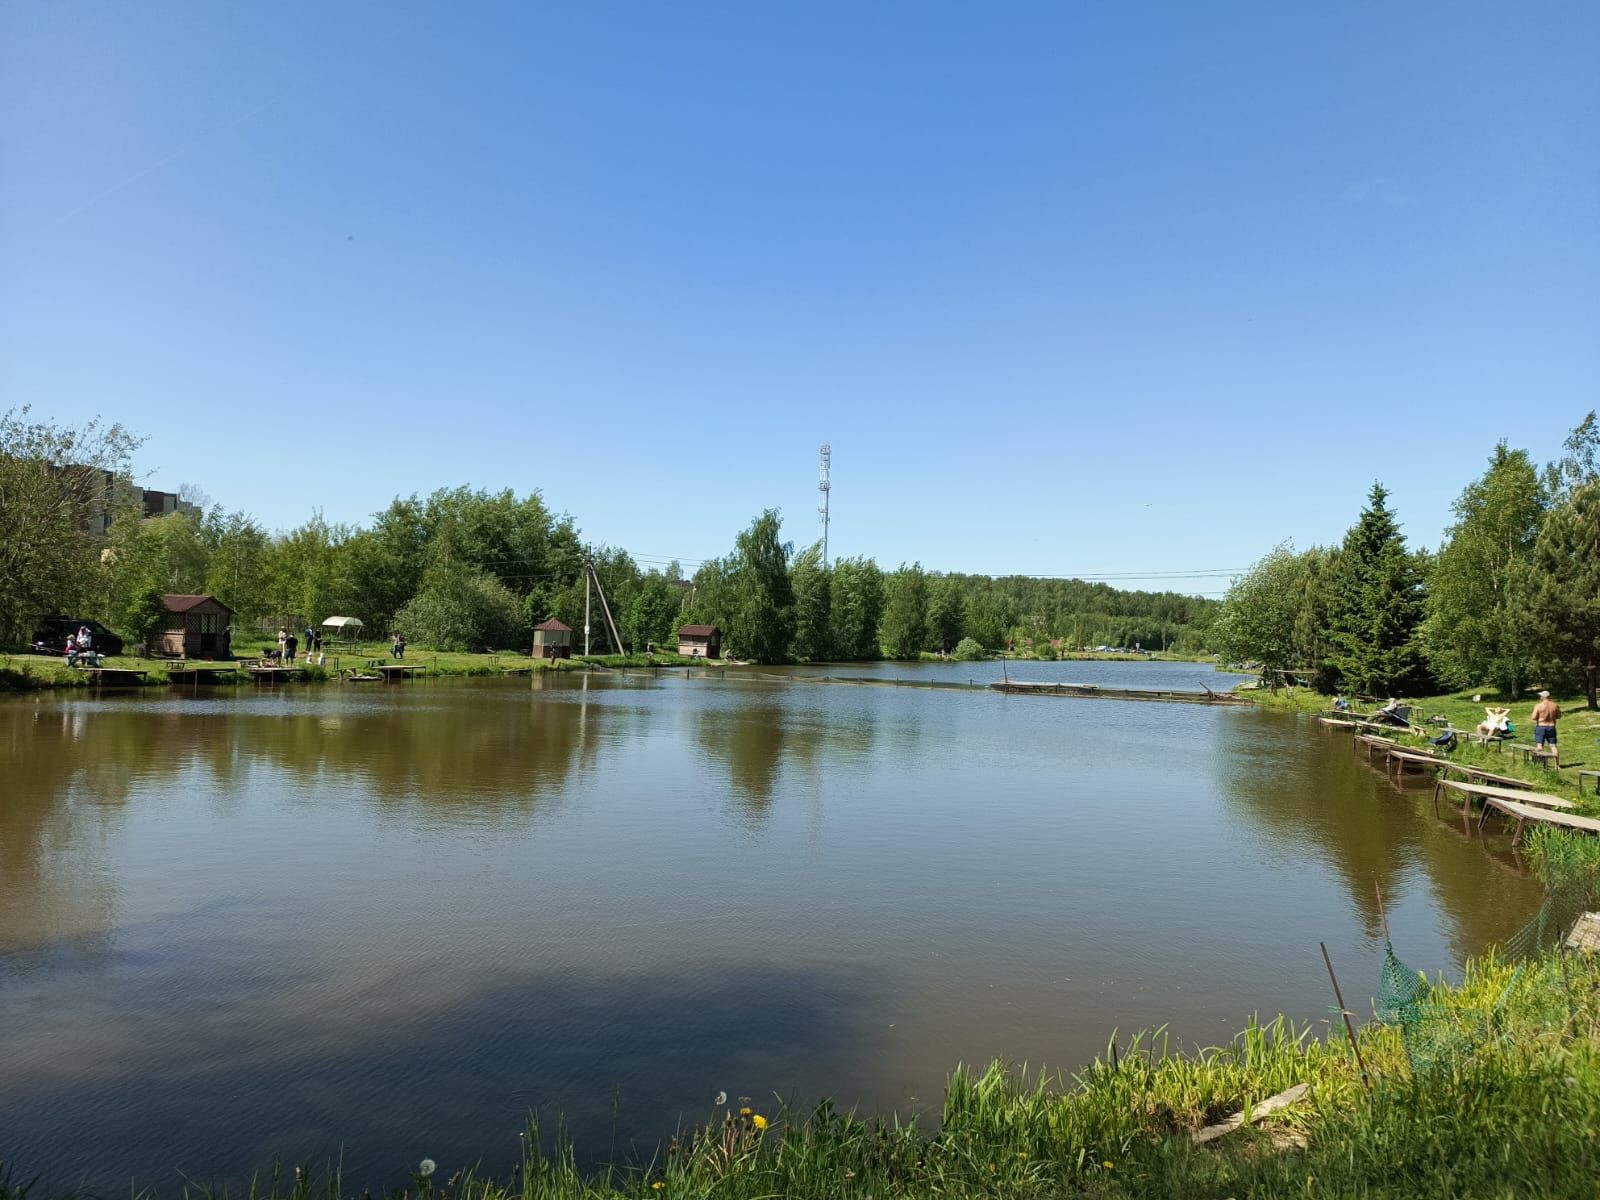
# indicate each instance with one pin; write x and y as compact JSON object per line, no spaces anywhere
{"x":1514,"y":1114}
{"x":37,"y":672}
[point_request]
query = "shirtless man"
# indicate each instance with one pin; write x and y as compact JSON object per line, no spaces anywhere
{"x":1545,"y":715}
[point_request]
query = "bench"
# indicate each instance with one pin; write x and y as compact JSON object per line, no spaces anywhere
{"x":1594,"y":775}
{"x":1538,"y":754}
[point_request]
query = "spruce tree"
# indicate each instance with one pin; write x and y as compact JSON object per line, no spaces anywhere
{"x":1375,"y":606}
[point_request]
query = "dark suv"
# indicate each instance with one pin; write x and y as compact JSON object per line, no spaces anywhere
{"x":53,"y":632}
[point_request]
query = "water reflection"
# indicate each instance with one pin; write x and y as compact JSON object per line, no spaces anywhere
{"x":266,"y":923}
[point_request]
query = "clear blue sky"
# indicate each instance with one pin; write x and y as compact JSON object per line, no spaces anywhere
{"x":1143,"y":289}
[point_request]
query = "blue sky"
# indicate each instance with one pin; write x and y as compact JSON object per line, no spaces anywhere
{"x":1146,"y":289}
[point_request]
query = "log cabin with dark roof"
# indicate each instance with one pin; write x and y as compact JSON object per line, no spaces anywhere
{"x":196,"y":627}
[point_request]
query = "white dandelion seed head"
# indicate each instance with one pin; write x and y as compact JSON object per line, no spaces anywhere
{"x":722,"y":1098}
{"x":426,"y":1167}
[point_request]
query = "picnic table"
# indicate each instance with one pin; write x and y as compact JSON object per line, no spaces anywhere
{"x":1487,"y":792}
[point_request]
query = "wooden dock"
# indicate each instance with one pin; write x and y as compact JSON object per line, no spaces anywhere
{"x":1089,"y":691}
{"x":199,"y":672}
{"x":1487,"y":792}
{"x":272,"y":675}
{"x":1527,"y":814}
{"x":113,"y":676}
{"x":393,"y":672}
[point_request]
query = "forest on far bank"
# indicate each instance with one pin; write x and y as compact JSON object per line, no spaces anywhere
{"x":1510,"y":600}
{"x":465,"y":568}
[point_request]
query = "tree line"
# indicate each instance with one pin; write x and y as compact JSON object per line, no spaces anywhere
{"x":467,"y":568}
{"x":1511,"y":596}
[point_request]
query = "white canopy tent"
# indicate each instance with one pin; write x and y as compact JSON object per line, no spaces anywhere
{"x":343,"y":629}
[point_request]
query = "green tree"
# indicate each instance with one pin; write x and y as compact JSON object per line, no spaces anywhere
{"x":1473,"y":632}
{"x":1563,"y":588}
{"x":652,"y":613}
{"x":1259,"y":614}
{"x":968,"y":650}
{"x":904,"y":630}
{"x":236,"y":565}
{"x":144,"y":616}
{"x":1580,"y":464}
{"x":760,"y":597}
{"x":947,"y":613}
{"x":856,"y":608}
{"x":1375,"y":606}
{"x":464,"y":611}
{"x":813,"y":606}
{"x":54,"y":486}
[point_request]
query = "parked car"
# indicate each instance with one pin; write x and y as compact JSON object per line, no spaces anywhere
{"x":53,"y":632}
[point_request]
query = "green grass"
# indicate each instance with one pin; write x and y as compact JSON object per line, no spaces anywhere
{"x":1518,"y":1115}
{"x":27,"y":672}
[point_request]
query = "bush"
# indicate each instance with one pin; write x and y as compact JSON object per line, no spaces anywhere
{"x":463,"y":612}
{"x":968,"y":650}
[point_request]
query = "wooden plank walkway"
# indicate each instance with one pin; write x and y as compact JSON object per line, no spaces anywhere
{"x":113,"y":676}
{"x":1487,"y":792}
{"x":1017,"y":687}
{"x":1526,"y":814}
{"x":1479,"y":775}
{"x":394,"y":671}
{"x":1401,"y":759}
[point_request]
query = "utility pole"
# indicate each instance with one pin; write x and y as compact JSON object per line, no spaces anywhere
{"x":823,"y":487}
{"x":588,"y":582}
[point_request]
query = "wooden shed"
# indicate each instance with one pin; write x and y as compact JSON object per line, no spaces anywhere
{"x":197,"y":627}
{"x":552,"y":639}
{"x":700,"y":641}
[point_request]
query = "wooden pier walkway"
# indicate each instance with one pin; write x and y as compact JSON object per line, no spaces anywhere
{"x":199,"y":672}
{"x":1090,"y":691}
{"x":1487,"y":792}
{"x":1527,"y":814}
{"x":113,"y":676}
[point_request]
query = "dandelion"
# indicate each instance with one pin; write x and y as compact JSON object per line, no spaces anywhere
{"x":1022,"y":1154}
{"x":657,"y":1186}
{"x":758,"y":1121}
{"x":722,"y":1098}
{"x":426,"y":1167}
{"x":745,"y":1111}
{"x":1106,"y":1165}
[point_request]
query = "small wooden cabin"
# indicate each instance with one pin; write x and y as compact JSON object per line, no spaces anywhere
{"x":700,"y":641}
{"x":552,"y":639}
{"x":197,"y":627}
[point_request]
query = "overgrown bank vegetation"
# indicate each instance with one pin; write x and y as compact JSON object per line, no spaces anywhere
{"x":465,"y":569}
{"x":1510,"y":599}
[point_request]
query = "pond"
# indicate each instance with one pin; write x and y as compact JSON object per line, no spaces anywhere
{"x":385,"y":922}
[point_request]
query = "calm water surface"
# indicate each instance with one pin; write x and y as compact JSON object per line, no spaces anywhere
{"x":389,"y":921}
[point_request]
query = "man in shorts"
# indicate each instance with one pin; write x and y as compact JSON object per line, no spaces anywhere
{"x":1545,"y":715}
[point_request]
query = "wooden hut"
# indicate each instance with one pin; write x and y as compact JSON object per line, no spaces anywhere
{"x":197,"y":627}
{"x":700,"y":641}
{"x":552,"y":639}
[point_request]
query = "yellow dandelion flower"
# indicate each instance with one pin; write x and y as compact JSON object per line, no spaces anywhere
{"x":657,"y":1185}
{"x":1022,"y":1154}
{"x":758,"y":1121}
{"x":745,"y":1111}
{"x":1106,"y":1165}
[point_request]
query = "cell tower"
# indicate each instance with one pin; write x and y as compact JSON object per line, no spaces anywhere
{"x":822,"y":509}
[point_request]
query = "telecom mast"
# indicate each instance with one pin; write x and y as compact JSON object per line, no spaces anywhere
{"x":822,"y":509}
